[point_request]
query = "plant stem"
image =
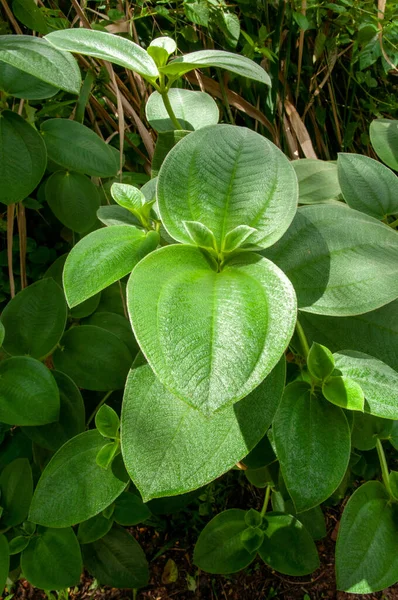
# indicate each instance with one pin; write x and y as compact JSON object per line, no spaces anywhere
{"x":104,"y":399}
{"x":384,"y":467}
{"x":266,"y":500}
{"x":394,"y":223}
{"x":303,"y":340}
{"x":169,"y":109}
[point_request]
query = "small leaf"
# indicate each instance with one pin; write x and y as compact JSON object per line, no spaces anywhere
{"x":170,"y":572}
{"x":107,"y":422}
{"x":344,"y":392}
{"x":93,"y":529}
{"x":384,"y":138}
{"x":252,"y":538}
{"x":236,"y":237}
{"x":128,"y":196}
{"x":18,"y":544}
{"x":130,"y":510}
{"x":253,"y":518}
{"x":106,"y":454}
{"x":200,"y":235}
{"x":160,"y":49}
{"x":320,"y":361}
{"x":368,"y":429}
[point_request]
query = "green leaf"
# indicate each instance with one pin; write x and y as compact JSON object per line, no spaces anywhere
{"x":18,"y":544}
{"x":378,"y":381}
{"x":30,"y":15}
{"x":318,"y":180}
{"x":200,"y":235}
{"x":384,"y":138}
{"x":28,"y":392}
{"x":393,"y":479}
{"x":253,"y":518}
{"x":191,"y":449}
{"x":35,"y":319}
{"x":4,"y":562}
{"x":53,"y":560}
{"x":211,"y":337}
{"x":107,"y":422}
{"x":193,"y":110}
{"x":117,"y":325}
{"x":224,"y":176}
{"x":375,"y":332}
{"x":252,"y":538}
{"x":117,"y":560}
{"x":114,"y":214}
{"x":288,"y":547}
{"x":367,"y":542}
{"x":320,"y":361}
{"x":130,"y":510}
{"x":113,"y":48}
{"x":24,"y":157}
{"x":73,"y":198}
{"x":93,"y":529}
{"x":160,"y":49}
{"x":197,"y":12}
{"x":35,"y":56}
{"x":73,"y":487}
{"x":312,"y":437}
{"x":16,"y":490}
{"x":88,"y":154}
{"x":345,"y":392}
{"x":103,"y":257}
{"x":368,"y":429}
{"x":367,"y":185}
{"x":128,"y":196}
{"x":217,"y":58}
{"x":165,"y":142}
{"x":236,"y":237}
{"x":313,"y":519}
{"x":71,"y":419}
{"x":2,"y":333}
{"x":219,"y":548}
{"x":15,"y":82}
{"x":340,"y":261}
{"x":94,"y":358}
{"x":106,"y":454}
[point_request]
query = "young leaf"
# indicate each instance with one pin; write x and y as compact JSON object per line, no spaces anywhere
{"x":367,"y":429}
{"x":160,"y":49}
{"x":317,"y":179}
{"x":191,"y":449}
{"x":130,"y":510}
{"x":113,"y":48}
{"x":200,"y":235}
{"x":16,"y":490}
{"x":384,"y":139}
{"x":117,"y":560}
{"x":128,"y":196}
{"x":312,"y":437}
{"x":93,"y":529}
{"x":18,"y":544}
{"x":252,"y":538}
{"x":345,"y":392}
{"x":220,"y":548}
{"x":107,"y":421}
{"x":217,"y":58}
{"x":193,"y":323}
{"x":320,"y":361}
{"x":103,"y":257}
{"x":224,"y":176}
{"x":4,"y":562}
{"x":52,"y":560}
{"x":72,"y":487}
{"x":35,"y":56}
{"x":340,"y":261}
{"x":378,"y":381}
{"x":367,"y":542}
{"x":367,"y":185}
{"x":28,"y":392}
{"x":88,"y":154}
{"x":24,"y":156}
{"x":15,"y":82}
{"x":106,"y":454}
{"x":35,"y":319}
{"x":113,"y":214}
{"x":236,"y":237}
{"x":253,"y":518}
{"x":94,"y":358}
{"x":288,"y":547}
{"x":193,"y":110}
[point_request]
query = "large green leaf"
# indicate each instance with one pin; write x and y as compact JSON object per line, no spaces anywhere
{"x":88,"y":154}
{"x":15,"y":82}
{"x":193,"y":110}
{"x":317,"y":179}
{"x":30,"y":15}
{"x":37,"y":57}
{"x":4,"y":562}
{"x":313,"y":444}
{"x":211,"y":337}
{"x":190,"y":449}
{"x":73,"y":198}
{"x":94,"y":358}
{"x":219,"y":548}
{"x":367,"y":543}
{"x":117,"y":325}
{"x":384,"y":138}
{"x":52,"y":560}
{"x":288,"y":547}
{"x":23,"y":157}
{"x":28,"y":392}
{"x":16,"y":490}
{"x":374,"y":333}
{"x":113,"y":48}
{"x":224,"y":176}
{"x":102,"y":257}
{"x":117,"y":560}
{"x":35,"y":319}
{"x":73,"y":487}
{"x":217,"y":58}
{"x":71,"y":419}
{"x":378,"y":381}
{"x":340,"y":261}
{"x":367,"y":185}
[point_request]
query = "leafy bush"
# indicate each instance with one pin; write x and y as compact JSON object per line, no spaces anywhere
{"x":262,"y":334}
